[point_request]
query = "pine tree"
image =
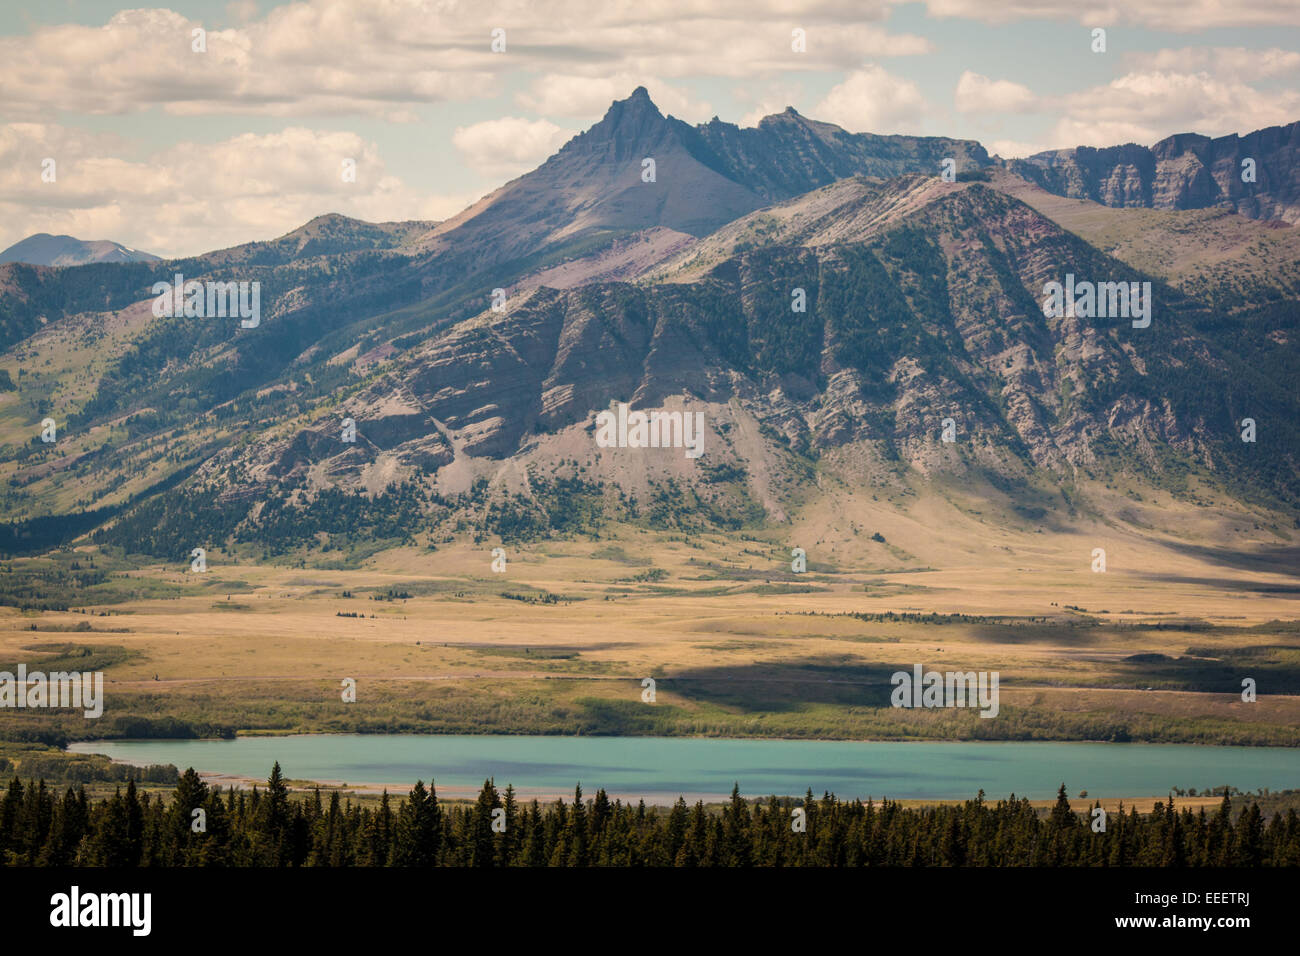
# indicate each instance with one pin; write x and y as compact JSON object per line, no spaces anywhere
{"x":737,"y":845}
{"x":9,"y":807}
{"x":676,"y":829}
{"x":44,"y":828}
{"x":535,"y":840}
{"x":577,"y":831}
{"x":558,"y":835}
{"x":481,"y":837}
{"x":183,"y":843}
{"x":1063,"y":817}
{"x":508,"y":842}
{"x":417,"y":831}
{"x":1250,"y":838}
{"x":110,"y":845}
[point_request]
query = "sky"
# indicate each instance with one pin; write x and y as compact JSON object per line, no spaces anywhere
{"x":177,"y":150}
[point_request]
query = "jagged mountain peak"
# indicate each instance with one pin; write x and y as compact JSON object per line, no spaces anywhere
{"x":637,"y":103}
{"x":787,"y":115}
{"x":701,"y":177}
{"x":628,"y":119}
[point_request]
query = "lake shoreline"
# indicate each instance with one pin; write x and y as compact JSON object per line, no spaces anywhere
{"x":659,"y":769}
{"x":469,"y":794}
{"x":270,"y":734}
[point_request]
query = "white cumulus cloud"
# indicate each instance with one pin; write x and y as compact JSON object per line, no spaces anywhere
{"x":1178,"y":16}
{"x":979,"y":94}
{"x":342,"y":57}
{"x":194,"y":197}
{"x":508,"y":146}
{"x":873,"y":101}
{"x":1237,"y":62}
{"x":1146,"y":107}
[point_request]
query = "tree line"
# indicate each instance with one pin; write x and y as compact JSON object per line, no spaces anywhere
{"x":200,"y":825}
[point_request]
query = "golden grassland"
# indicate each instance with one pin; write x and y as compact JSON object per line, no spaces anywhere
{"x":738,"y":645}
{"x":1153,"y":649}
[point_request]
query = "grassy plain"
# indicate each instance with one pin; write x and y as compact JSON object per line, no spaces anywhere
{"x":1155,"y":648}
{"x":952,"y":577}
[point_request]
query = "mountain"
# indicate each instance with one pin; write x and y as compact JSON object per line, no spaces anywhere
{"x":586,"y":211}
{"x":704,"y":176}
{"x":594,"y":184}
{"x":923,"y":304}
{"x":1186,"y":171}
{"x":329,"y":235}
{"x":330,"y":266}
{"x":921,"y":312}
{"x":337,"y":280}
{"x":787,"y":154}
{"x":42,"y":249}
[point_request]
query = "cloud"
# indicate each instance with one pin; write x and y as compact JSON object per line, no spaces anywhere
{"x":241,"y":11}
{"x":873,"y":101}
{"x":340,"y":57}
{"x":979,"y":94}
{"x":296,"y":61}
{"x":1238,"y":62}
{"x":1146,"y":107}
{"x":773,"y":98}
{"x":1176,"y":16}
{"x":508,"y":146}
{"x":195,"y":197}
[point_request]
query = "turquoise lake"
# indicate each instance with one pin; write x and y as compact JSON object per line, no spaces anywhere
{"x":661,"y":768}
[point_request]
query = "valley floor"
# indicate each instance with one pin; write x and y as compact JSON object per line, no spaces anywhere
{"x":737,"y":644}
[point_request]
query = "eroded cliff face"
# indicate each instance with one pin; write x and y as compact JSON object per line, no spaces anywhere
{"x":1186,"y":171}
{"x":932,"y":315}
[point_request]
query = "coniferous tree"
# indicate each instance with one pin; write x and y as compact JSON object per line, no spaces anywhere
{"x":9,"y":806}
{"x":577,"y":831}
{"x":273,"y":844}
{"x":508,"y":842}
{"x":481,"y":839}
{"x":534,"y":853}
{"x":736,"y":841}
{"x":42,"y":827}
{"x":416,"y":830}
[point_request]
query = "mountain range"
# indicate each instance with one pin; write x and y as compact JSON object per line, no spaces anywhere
{"x":1257,"y":175}
{"x":850,"y":322}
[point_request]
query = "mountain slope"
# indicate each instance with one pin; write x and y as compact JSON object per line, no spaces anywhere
{"x":1215,"y":254}
{"x":932,"y":314}
{"x":327,"y":235}
{"x":43,"y":249}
